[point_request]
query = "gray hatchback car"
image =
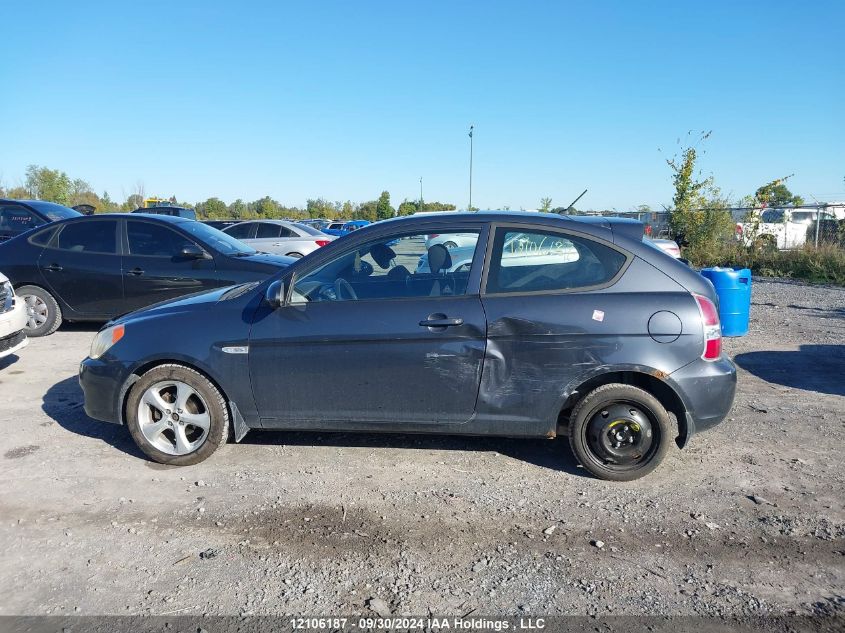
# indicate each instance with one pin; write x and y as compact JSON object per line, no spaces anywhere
{"x":555,"y":325}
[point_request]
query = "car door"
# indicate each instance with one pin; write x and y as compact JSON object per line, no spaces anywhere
{"x":81,"y":265}
{"x":548,"y":318}
{"x":15,"y":219}
{"x":365,"y":340}
{"x":154,"y":268}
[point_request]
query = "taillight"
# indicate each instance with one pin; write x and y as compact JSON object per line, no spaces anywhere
{"x":322,"y":242}
{"x":433,"y":235}
{"x":712,"y":328}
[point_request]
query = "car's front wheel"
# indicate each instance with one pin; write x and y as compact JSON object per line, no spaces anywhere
{"x":43,"y":314}
{"x":619,"y":432}
{"x":176,"y":415}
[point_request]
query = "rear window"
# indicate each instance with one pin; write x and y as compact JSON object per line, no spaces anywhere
{"x":54,"y":211}
{"x":307,"y":229}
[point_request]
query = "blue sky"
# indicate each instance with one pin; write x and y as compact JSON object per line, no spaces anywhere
{"x":343,"y":100}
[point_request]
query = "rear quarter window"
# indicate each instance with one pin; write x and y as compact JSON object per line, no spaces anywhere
{"x":540,"y":261}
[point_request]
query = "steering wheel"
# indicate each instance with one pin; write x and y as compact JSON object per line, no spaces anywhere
{"x":343,"y":287}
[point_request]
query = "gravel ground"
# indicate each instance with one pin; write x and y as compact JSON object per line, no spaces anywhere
{"x":747,"y":520}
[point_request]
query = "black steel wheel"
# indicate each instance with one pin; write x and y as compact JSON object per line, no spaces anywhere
{"x":619,"y":432}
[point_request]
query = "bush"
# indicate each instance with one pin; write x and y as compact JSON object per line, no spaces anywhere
{"x":825,"y":264}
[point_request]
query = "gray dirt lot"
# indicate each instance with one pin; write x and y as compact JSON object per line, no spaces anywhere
{"x":747,"y":520}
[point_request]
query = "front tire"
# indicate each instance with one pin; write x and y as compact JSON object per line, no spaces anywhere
{"x":176,"y":415}
{"x":619,"y":432}
{"x":43,"y":314}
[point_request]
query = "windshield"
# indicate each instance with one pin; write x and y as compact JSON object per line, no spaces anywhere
{"x":218,"y":240}
{"x":772,"y":216}
{"x":54,"y":211}
{"x":336,"y":225}
{"x":308,"y":230}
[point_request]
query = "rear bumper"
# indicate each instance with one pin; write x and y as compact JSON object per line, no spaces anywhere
{"x":708,"y":389}
{"x":102,"y":384}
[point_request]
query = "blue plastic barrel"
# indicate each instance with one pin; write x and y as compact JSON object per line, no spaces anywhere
{"x":733,"y":285}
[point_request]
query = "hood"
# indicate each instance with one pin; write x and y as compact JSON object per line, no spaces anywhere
{"x":268,"y":260}
{"x":200,"y":301}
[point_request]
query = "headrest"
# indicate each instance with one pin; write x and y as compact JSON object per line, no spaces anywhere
{"x":439,"y":258}
{"x":382,"y":255}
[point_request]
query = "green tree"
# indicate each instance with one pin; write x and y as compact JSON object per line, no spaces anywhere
{"x":213,"y":208}
{"x":237,"y":209}
{"x":49,"y":184}
{"x":407,"y":207}
{"x":383,"y":208}
{"x":134,"y":201}
{"x":266,"y":207}
{"x":545,"y":205}
{"x":367,"y":211}
{"x":776,"y":194}
{"x":321,"y":208}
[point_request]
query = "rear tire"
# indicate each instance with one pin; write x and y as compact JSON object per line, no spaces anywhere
{"x":450,"y":245}
{"x":619,"y":432}
{"x":44,"y":316}
{"x":176,"y":415}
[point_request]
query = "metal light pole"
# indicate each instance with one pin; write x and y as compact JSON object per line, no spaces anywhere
{"x":422,"y":208}
{"x":470,"y":167}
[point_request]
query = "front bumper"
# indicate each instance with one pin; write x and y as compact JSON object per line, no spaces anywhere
{"x":102,"y":385}
{"x":12,"y":334}
{"x":708,"y":389}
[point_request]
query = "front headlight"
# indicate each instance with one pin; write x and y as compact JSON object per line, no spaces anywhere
{"x":105,"y":339}
{"x":7,"y":297}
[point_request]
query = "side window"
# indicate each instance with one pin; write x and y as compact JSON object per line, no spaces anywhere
{"x":268,"y":230}
{"x":154,"y":240}
{"x":98,"y":236}
{"x":401,"y":266}
{"x":42,"y":238}
{"x":529,"y":261}
{"x":240,"y":231}
{"x":16,"y":219}
{"x":286,"y":232}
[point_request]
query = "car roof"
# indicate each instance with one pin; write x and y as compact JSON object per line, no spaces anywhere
{"x":170,"y":219}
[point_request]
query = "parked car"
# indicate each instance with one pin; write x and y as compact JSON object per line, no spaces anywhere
{"x":19,"y":216}
{"x":670,"y":247}
{"x":455,"y":240}
{"x":178,"y":212}
{"x":96,"y":268}
{"x":13,"y":318}
{"x":278,"y":236}
{"x":619,"y":347}
{"x":339,"y":229}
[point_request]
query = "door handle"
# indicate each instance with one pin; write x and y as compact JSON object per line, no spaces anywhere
{"x":54,"y":268}
{"x":437,"y":320}
{"x":137,"y":272}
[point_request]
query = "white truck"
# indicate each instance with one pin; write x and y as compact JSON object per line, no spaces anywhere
{"x":784,"y":228}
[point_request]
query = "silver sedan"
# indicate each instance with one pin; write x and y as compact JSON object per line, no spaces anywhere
{"x":279,"y":237}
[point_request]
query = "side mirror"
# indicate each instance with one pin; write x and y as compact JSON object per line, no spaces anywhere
{"x":275,"y":294}
{"x":192,"y":251}
{"x":683,"y":260}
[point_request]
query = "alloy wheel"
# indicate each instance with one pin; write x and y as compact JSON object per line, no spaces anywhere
{"x":173,"y":417}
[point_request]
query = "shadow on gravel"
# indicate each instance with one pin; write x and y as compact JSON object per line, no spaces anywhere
{"x":81,"y":326}
{"x":818,"y":368}
{"x":6,"y":361}
{"x":63,"y":403}
{"x":551,"y":454}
